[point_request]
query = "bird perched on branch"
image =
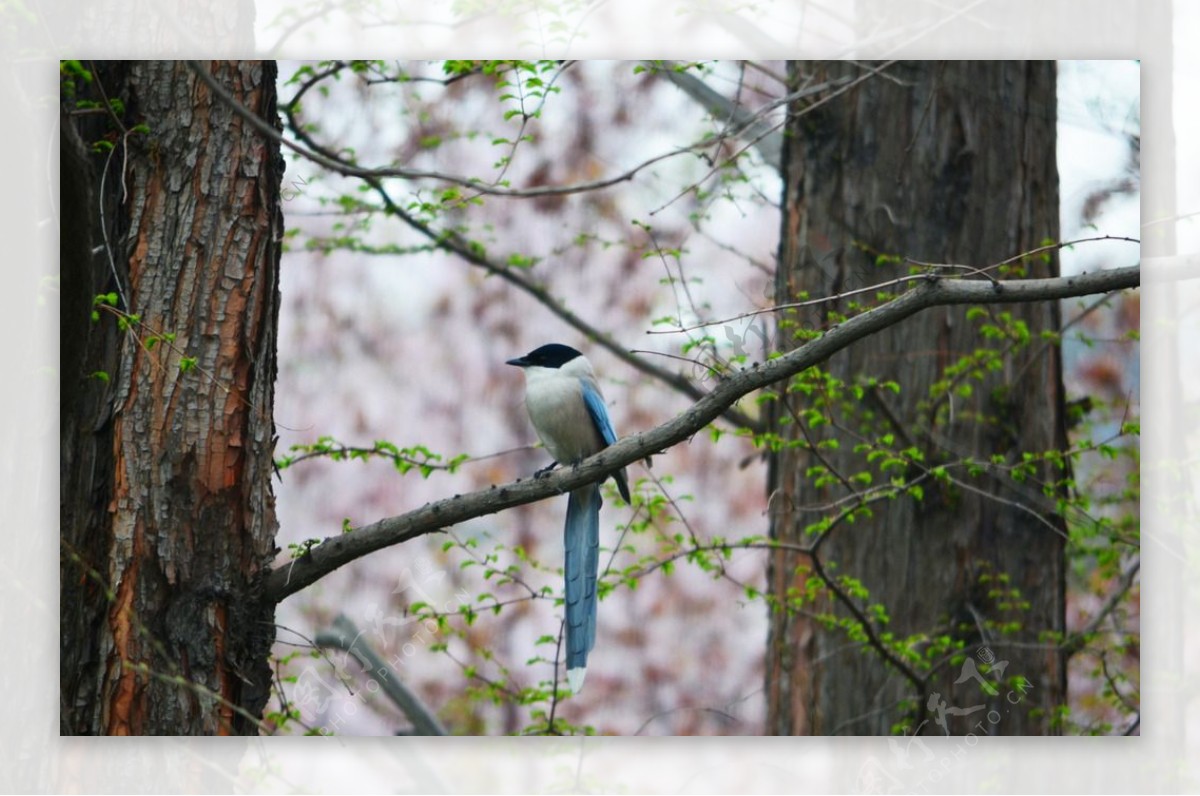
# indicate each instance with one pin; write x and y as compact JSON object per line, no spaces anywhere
{"x":567,"y":411}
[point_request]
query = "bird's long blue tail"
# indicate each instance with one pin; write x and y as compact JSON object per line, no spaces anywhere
{"x":581,"y":566}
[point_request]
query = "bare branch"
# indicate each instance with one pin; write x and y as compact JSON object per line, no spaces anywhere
{"x":456,"y":244}
{"x":739,"y":120}
{"x":344,"y":548}
{"x":344,"y":635}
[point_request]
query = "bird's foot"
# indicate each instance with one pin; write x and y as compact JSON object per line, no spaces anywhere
{"x":542,"y":473}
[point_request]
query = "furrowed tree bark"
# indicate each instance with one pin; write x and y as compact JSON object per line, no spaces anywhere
{"x":168,"y":519}
{"x":952,"y":163}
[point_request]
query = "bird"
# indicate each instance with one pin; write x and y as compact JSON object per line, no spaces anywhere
{"x":567,"y":410}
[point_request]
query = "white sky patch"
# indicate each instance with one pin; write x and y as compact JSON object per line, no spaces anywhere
{"x":1098,"y":111}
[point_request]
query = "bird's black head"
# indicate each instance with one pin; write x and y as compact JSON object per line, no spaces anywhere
{"x":554,"y":355}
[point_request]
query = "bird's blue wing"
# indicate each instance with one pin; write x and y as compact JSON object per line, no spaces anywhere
{"x":599,"y":413}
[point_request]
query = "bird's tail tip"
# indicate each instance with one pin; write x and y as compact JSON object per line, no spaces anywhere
{"x":575,"y":679}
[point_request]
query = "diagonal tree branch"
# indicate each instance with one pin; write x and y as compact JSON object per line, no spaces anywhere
{"x":741,"y":122}
{"x":455,"y":244}
{"x":345,"y":635}
{"x":933,"y":291}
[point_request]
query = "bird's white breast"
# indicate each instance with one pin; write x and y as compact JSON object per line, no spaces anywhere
{"x":554,"y":398}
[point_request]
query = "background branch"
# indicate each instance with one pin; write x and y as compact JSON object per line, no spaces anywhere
{"x":741,"y":122}
{"x":345,"y":635}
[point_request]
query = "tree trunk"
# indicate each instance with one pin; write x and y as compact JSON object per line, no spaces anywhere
{"x":167,"y":515}
{"x":939,"y":163}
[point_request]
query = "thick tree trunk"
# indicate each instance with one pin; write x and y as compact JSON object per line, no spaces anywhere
{"x":168,"y":519}
{"x":939,"y":163}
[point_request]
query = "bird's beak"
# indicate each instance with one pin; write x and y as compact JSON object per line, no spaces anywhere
{"x":520,"y":362}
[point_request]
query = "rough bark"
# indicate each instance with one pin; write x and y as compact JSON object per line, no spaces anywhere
{"x":168,"y":520}
{"x":942,"y":163}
